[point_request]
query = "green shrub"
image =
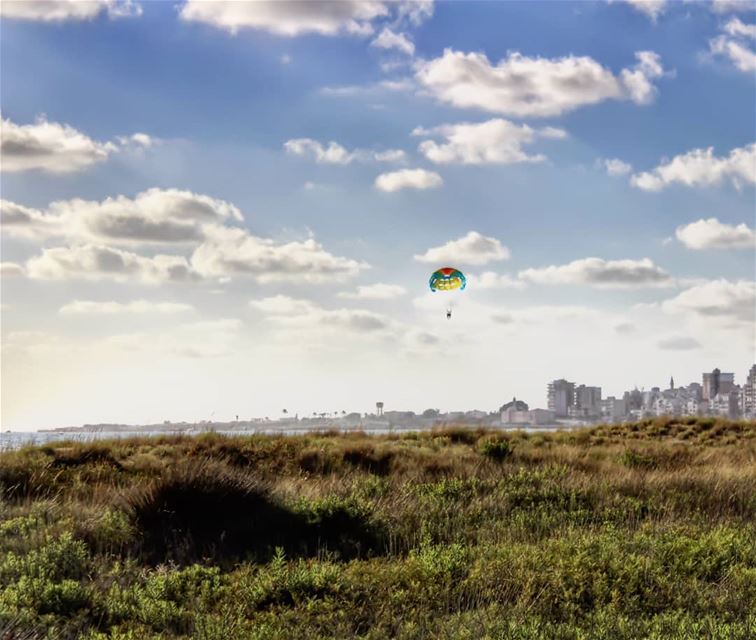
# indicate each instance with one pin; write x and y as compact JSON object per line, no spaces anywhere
{"x":496,"y":449}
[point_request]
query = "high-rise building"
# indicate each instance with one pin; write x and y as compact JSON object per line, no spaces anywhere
{"x":561,"y":397}
{"x":717,"y":382}
{"x":587,"y":402}
{"x":749,"y":394}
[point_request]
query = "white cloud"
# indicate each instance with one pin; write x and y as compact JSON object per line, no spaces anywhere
{"x":625,"y":328}
{"x":473,"y":248}
{"x":11,"y":270}
{"x":91,"y":307}
{"x":334,"y":153}
{"x":49,"y":146}
{"x":723,"y":299}
{"x":152,"y":216}
{"x":710,"y":233}
{"x":387,"y":39}
{"x":700,"y":167}
{"x":373,"y":88}
{"x":204,"y":339}
{"x":294,"y":312}
{"x":58,"y":148}
{"x":377,"y":291}
{"x":60,"y":10}
{"x":495,"y":141}
{"x":616,"y":167}
{"x":731,"y":6}
{"x":281,"y":305}
{"x":601,"y":273}
{"x":390,"y":155}
{"x":493,"y":280}
{"x":535,"y":87}
{"x":637,"y":80}
{"x":678,"y":343}
{"x":651,"y":8}
{"x":288,"y":18}
{"x":19,"y":221}
{"x":138,"y":141}
{"x":741,"y":55}
{"x":228,"y":252}
{"x":91,"y":262}
{"x":736,"y":27}
{"x":415,"y":11}
{"x":408,"y":179}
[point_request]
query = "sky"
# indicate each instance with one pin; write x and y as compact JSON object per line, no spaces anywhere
{"x":212,"y":209}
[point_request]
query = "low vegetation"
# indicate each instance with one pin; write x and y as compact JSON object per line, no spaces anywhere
{"x":643,"y":530}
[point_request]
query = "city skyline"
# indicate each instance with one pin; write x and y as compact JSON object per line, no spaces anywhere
{"x":215,"y":209}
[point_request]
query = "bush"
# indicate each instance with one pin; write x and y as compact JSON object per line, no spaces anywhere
{"x":496,"y":449}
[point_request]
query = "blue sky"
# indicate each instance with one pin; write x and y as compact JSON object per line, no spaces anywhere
{"x":521,"y":106}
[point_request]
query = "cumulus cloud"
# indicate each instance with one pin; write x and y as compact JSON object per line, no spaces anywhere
{"x":740,"y":54}
{"x":735,"y":44}
{"x":152,"y":216}
{"x":473,"y":248}
{"x":701,"y":168}
{"x":637,"y":81}
{"x":717,"y":299}
{"x":294,"y":312}
{"x":19,"y":221}
{"x":289,"y":17}
{"x":227,"y":252}
{"x":415,"y":12}
{"x":377,"y":291}
{"x":625,"y":328}
{"x":651,"y":8}
{"x":92,"y":307}
{"x":334,"y":153}
{"x":710,"y":233}
{"x":92,"y":262}
{"x":57,"y":148}
{"x":408,"y":179}
{"x":49,"y":146}
{"x":601,"y":273}
{"x":11,"y":270}
{"x":387,"y":39}
{"x":736,"y":27}
{"x":536,"y":87}
{"x":495,"y":141}
{"x":616,"y":167}
{"x":61,"y":10}
{"x":678,"y":343}
{"x":493,"y":280}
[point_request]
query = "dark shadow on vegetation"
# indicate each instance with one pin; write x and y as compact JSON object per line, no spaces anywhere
{"x":368,"y":459}
{"x":206,"y":511}
{"x":78,"y":456}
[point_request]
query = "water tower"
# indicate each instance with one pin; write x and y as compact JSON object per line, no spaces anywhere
{"x":379,"y":408}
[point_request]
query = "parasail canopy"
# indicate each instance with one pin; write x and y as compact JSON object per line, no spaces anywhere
{"x":447,"y":279}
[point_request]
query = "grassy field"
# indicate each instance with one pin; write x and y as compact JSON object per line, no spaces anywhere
{"x":635,"y":531}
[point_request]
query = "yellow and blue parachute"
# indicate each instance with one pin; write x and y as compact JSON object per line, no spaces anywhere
{"x":447,"y":279}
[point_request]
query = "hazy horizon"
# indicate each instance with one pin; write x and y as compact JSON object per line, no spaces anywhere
{"x":215,"y":209}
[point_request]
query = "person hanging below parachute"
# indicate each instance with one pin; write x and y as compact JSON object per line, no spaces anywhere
{"x":447,"y":279}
